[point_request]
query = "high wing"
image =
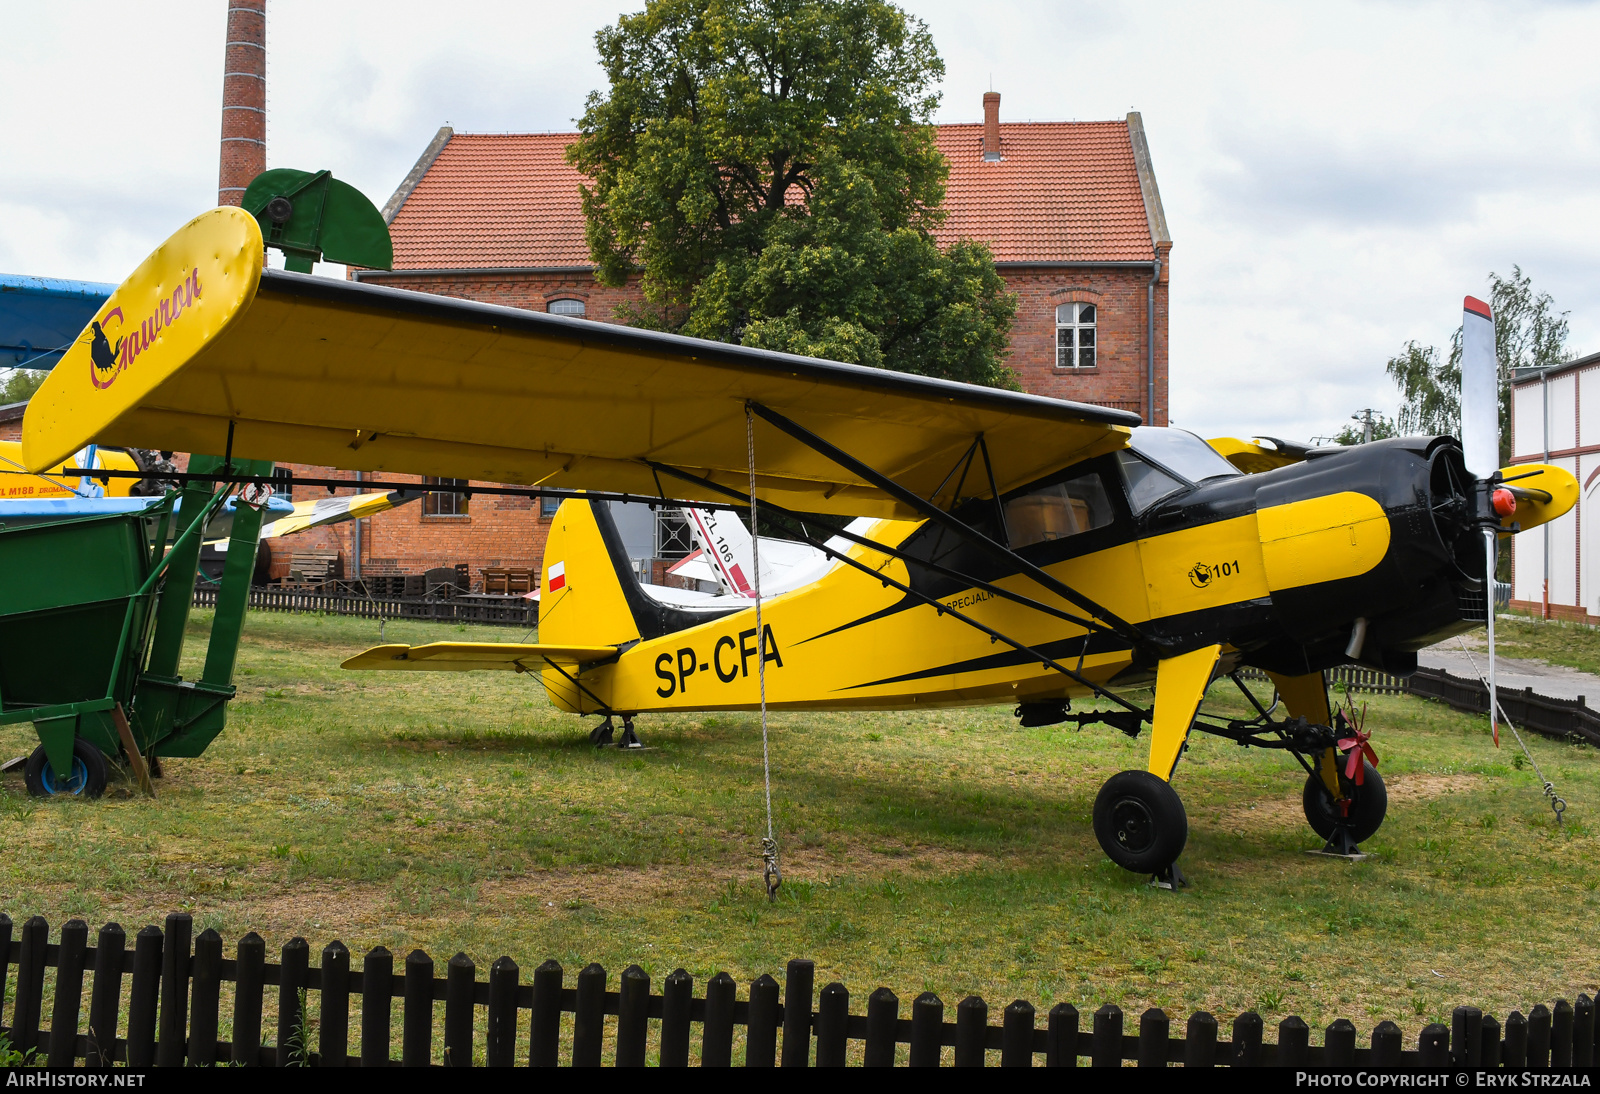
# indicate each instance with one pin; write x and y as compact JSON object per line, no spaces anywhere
{"x":1258,"y":454}
{"x":462,"y":656}
{"x":202,"y":347}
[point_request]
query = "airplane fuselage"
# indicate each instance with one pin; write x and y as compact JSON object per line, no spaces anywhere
{"x":1276,"y":567}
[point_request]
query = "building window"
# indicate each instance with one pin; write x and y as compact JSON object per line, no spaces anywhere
{"x":1075,"y":336}
{"x":444,"y":503}
{"x":567,"y":307}
{"x":283,"y":483}
{"x":548,"y":507}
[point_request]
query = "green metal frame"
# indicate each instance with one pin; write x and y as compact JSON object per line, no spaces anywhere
{"x":54,"y":633}
{"x":311,"y":217}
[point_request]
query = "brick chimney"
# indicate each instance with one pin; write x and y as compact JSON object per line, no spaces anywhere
{"x":991,"y":126}
{"x":244,"y":99}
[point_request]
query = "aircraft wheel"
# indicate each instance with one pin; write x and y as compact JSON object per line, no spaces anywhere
{"x":86,"y":780}
{"x":1140,"y":822}
{"x":1368,"y":804}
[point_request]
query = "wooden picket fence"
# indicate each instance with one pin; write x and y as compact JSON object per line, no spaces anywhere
{"x":512,"y":612}
{"x":1563,"y":719}
{"x":174,"y":1005}
{"x":1355,"y":677}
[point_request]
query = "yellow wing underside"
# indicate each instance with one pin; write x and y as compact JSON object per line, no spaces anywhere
{"x":470,"y":656}
{"x":312,"y":370}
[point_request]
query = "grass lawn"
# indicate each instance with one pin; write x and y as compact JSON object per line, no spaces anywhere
{"x":1572,"y":644}
{"x":945,"y":851}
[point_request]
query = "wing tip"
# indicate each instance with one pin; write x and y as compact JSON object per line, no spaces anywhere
{"x":378,"y":657}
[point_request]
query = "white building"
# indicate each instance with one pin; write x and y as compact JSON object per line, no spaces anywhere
{"x":1551,"y":422}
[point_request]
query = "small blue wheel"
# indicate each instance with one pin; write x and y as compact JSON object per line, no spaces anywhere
{"x":87,"y":779}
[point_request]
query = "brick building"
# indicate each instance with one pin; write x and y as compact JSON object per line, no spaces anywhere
{"x":1070,"y":210}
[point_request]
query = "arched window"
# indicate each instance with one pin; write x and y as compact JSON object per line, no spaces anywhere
{"x":566,"y":307}
{"x":1075,"y":336}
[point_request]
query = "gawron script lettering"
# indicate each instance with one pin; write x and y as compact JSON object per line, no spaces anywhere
{"x":165,"y":314}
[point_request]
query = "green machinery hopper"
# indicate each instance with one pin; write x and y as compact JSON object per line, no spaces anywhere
{"x":313,"y":217}
{"x":92,"y":618}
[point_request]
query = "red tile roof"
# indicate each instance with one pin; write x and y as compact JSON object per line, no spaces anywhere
{"x":492,"y":200}
{"x":1063,"y":191}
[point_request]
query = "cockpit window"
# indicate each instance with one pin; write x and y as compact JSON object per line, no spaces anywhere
{"x":1146,"y":483}
{"x":1056,"y":512}
{"x":1164,"y":461}
{"x":1182,"y":453}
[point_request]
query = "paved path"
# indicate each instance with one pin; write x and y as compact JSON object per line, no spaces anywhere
{"x":1514,"y":674}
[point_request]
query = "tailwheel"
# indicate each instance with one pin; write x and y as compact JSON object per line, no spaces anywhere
{"x":1352,"y":821}
{"x":1140,"y":822}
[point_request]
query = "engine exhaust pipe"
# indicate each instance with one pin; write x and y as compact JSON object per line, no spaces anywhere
{"x":1358,"y":638}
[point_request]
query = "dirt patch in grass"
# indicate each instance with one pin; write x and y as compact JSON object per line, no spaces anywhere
{"x":1426,"y":787}
{"x":826,"y":864}
{"x":332,"y":911}
{"x":1278,"y":814}
{"x":619,"y":888}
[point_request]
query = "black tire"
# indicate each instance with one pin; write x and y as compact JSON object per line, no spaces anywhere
{"x":87,"y":780}
{"x":1368,"y":804}
{"x":1140,"y":822}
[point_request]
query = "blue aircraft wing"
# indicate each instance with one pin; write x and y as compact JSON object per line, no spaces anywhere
{"x":40,"y":317}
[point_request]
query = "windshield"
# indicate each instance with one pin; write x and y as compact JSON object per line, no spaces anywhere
{"x":1182,"y":453}
{"x":1145,"y":482}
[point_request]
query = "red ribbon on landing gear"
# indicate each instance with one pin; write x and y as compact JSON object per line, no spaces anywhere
{"x":1356,"y":748}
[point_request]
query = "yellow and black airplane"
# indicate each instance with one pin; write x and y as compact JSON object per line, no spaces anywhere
{"x":1011,"y":548}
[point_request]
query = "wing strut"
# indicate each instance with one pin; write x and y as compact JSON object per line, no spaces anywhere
{"x":959,"y":527}
{"x":893,"y":552}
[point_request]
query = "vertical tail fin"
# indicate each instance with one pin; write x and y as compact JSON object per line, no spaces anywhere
{"x":582,"y":597}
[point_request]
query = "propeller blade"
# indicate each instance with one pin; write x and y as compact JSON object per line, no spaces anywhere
{"x":1480,"y":390}
{"x":1480,"y":444}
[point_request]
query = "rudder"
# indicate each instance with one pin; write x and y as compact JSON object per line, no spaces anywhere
{"x":582,"y":598}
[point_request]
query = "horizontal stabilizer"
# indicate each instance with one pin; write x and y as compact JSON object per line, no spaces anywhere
{"x":469,"y":656}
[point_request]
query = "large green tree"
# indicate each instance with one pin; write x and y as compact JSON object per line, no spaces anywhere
{"x":1528,"y":331}
{"x":768,"y":168}
{"x":17,"y":385}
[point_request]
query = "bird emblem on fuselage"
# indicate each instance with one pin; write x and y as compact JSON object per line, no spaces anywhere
{"x":101,"y":351}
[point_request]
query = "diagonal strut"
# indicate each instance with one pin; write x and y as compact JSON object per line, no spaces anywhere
{"x":959,"y":527}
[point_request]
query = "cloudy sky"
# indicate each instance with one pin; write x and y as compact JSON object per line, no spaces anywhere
{"x":1336,"y":176}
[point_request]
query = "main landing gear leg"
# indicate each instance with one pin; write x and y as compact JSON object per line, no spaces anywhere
{"x":1138,"y":818}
